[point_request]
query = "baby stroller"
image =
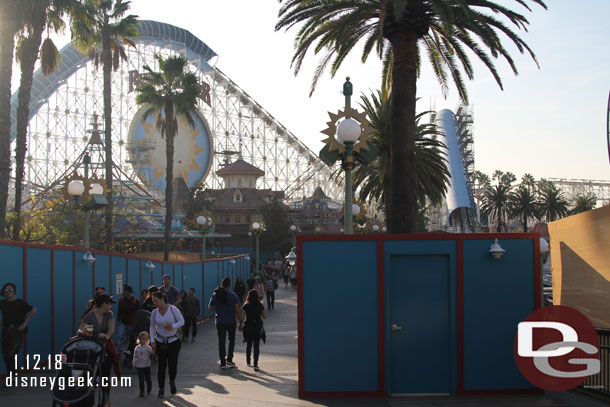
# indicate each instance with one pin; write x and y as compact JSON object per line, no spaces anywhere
{"x":84,"y":357}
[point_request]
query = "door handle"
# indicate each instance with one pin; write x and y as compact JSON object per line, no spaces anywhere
{"x":396,"y":327}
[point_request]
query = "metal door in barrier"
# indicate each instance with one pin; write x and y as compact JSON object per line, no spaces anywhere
{"x":420,"y":324}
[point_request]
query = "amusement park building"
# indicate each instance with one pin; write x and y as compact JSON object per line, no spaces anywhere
{"x":238,"y":204}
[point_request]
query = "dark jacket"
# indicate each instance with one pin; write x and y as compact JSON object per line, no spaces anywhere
{"x":240,"y":290}
{"x":141,"y":322}
{"x":191,"y":306}
{"x":127,"y":309}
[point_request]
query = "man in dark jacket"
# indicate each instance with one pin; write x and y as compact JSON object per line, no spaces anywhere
{"x":191,"y":312}
{"x":225,"y":304}
{"x":128,"y":305}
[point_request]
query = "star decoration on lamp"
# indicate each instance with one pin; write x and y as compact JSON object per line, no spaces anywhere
{"x":331,"y":130}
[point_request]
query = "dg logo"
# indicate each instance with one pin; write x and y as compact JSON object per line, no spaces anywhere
{"x":556,"y":348}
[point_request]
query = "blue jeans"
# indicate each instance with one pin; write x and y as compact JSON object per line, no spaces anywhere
{"x":123,"y":334}
{"x":222,"y":335}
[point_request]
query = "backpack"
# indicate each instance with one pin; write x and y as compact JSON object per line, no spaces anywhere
{"x":269,"y":285}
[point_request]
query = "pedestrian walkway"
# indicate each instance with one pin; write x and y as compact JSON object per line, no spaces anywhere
{"x":202,"y":383}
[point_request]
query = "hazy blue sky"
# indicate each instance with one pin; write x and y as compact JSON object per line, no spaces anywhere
{"x":550,"y":122}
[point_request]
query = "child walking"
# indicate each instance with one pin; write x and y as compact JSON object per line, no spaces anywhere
{"x":141,"y":361}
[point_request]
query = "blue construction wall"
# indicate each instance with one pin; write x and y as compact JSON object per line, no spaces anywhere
{"x":58,"y":283}
{"x":498,"y":294}
{"x":345,"y":350}
{"x":339,"y":306}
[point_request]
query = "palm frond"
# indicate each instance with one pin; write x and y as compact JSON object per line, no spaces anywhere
{"x":49,"y":57}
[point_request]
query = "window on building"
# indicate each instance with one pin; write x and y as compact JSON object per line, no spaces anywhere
{"x":237,"y":197}
{"x":237,"y":219}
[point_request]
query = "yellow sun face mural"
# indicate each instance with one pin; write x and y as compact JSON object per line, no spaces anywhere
{"x":147,"y":150}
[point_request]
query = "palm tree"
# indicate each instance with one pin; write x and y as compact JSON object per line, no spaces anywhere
{"x":10,"y":22}
{"x":522,"y":204}
{"x":502,"y":177}
{"x":495,"y":202}
{"x":169,"y":93}
{"x":374,"y":178}
{"x":395,"y":29}
{"x":553,"y":204}
{"x":528,"y":181}
{"x":584,"y":203}
{"x":39,"y":13}
{"x":100,"y":29}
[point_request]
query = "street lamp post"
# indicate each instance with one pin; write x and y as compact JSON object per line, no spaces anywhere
{"x":349,"y":142}
{"x":294,"y":230}
{"x":205,"y":224}
{"x":257,"y":228}
{"x":78,"y":188}
{"x":348,"y":133}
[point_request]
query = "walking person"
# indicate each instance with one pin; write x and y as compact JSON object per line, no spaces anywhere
{"x":128,"y":305}
{"x":191,"y":312}
{"x":147,"y":304}
{"x":251,"y":281}
{"x":286,"y":275}
{"x":180,"y":304}
{"x":293,"y":276}
{"x":277,"y":265}
{"x":141,"y":361}
{"x":143,"y":295}
{"x":16,"y":314}
{"x":240,"y":289}
{"x":254,"y":311}
{"x":102,"y":321}
{"x":225,"y":304}
{"x":164,"y":323}
{"x":270,"y":286}
{"x":260,"y":288}
{"x":173,"y":296}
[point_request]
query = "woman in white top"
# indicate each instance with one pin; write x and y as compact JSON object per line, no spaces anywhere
{"x":164,"y":323}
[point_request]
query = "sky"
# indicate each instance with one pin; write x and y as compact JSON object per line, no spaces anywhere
{"x":549,"y":122}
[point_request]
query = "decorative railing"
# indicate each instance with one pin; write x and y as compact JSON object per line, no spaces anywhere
{"x":600,"y":383}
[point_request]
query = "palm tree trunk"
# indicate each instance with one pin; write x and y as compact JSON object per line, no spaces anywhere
{"x":525,"y":223}
{"x":402,"y":131}
{"x":7,"y":43}
{"x":28,"y":59}
{"x":107,"y":74}
{"x":169,"y":157}
{"x":387,"y":194}
{"x":499,"y":219}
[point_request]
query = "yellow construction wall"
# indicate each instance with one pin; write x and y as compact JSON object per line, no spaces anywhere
{"x":580,"y":257}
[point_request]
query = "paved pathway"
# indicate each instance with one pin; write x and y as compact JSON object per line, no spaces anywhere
{"x":202,"y":383}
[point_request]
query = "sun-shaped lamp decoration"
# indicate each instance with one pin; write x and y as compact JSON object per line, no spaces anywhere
{"x":348,"y":134}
